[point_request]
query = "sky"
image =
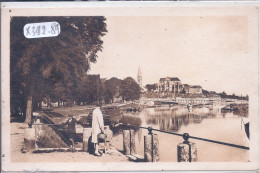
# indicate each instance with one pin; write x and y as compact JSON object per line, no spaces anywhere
{"x":210,"y":51}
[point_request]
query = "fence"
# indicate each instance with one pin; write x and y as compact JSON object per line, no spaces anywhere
{"x":186,"y":151}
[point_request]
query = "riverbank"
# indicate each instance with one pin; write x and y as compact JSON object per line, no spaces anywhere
{"x":17,"y":138}
{"x":208,"y":123}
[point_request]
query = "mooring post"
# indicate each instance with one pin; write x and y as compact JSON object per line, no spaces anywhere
{"x":86,"y":135}
{"x":39,"y":130}
{"x":29,"y":140}
{"x":109,"y":134}
{"x":151,"y":146}
{"x":129,"y":141}
{"x":187,"y":151}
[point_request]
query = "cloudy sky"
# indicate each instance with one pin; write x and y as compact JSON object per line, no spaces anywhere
{"x":207,"y":51}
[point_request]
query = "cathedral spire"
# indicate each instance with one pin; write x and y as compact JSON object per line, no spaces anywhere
{"x":139,"y":72}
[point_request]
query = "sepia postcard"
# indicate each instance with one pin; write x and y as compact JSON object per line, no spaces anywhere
{"x":129,"y":86}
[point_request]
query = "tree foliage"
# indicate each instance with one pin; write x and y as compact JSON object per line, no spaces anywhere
{"x":111,"y":89}
{"x":53,"y":66}
{"x":90,"y":90}
{"x":233,"y":96}
{"x":151,"y":87}
{"x":129,"y":89}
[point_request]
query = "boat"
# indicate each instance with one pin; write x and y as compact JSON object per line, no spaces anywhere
{"x":247,"y":130}
{"x":228,"y":108}
{"x":170,"y":102}
{"x":246,"y":123}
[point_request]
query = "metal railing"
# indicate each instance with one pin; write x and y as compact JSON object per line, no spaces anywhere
{"x":185,"y":136}
{"x":50,"y":123}
{"x":150,"y":129}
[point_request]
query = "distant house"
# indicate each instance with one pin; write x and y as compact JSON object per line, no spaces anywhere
{"x":185,"y":88}
{"x":195,"y":89}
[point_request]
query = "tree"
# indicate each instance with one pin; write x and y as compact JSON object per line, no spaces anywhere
{"x":90,"y":89}
{"x":129,"y":89}
{"x":223,"y":95}
{"x":151,"y":87}
{"x":111,"y":89}
{"x":49,"y":64}
{"x":205,"y":92}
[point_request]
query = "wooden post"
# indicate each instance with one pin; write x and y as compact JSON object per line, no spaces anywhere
{"x":29,"y":140}
{"x":129,"y":142}
{"x":109,"y":134}
{"x":151,"y":147}
{"x":86,"y":135}
{"x":38,"y":130}
{"x":187,"y":151}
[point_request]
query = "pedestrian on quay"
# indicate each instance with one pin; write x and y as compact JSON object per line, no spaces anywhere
{"x":189,"y":106}
{"x":97,"y":127}
{"x":71,"y":130}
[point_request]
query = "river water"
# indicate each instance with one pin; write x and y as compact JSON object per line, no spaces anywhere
{"x":204,"y":122}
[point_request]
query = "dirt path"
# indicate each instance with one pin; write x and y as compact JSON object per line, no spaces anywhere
{"x":17,"y":137}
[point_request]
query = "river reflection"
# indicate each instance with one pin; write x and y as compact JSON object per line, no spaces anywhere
{"x":204,"y":122}
{"x":172,"y":118}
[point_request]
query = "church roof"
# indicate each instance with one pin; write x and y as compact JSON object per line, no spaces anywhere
{"x":170,"y":78}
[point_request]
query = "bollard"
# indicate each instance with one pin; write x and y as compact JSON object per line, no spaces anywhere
{"x":109,"y":134}
{"x":29,"y":140}
{"x":187,"y":151}
{"x":129,"y":142}
{"x":86,"y":135}
{"x":39,"y":130}
{"x":151,"y":147}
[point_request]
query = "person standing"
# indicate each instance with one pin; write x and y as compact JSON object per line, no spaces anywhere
{"x":97,"y":127}
{"x":71,"y":130}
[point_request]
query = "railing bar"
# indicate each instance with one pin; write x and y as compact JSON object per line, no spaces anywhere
{"x":218,"y":142}
{"x":49,"y":124}
{"x":177,"y":134}
{"x":58,"y":131}
{"x":202,"y":139}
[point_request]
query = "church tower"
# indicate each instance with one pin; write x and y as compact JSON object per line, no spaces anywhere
{"x":139,"y":78}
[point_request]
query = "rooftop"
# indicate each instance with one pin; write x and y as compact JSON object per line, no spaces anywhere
{"x":169,"y":79}
{"x":195,"y":86}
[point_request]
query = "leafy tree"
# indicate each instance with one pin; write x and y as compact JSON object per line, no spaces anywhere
{"x":89,"y":90}
{"x":63,"y":92}
{"x":111,"y":89}
{"x":205,"y":92}
{"x":151,"y":87}
{"x":17,"y":99}
{"x":52,"y":65}
{"x":129,"y":89}
{"x":223,"y":95}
